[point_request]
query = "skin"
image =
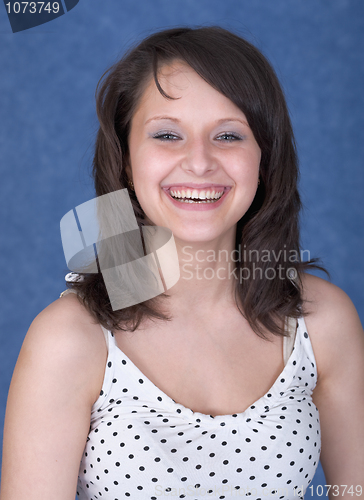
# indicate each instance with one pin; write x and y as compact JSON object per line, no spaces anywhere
{"x":59,"y":373}
{"x":204,"y":143}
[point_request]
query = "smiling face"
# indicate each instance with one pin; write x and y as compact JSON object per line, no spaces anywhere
{"x":194,"y":160}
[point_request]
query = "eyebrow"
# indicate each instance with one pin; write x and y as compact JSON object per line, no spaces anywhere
{"x":170,"y":118}
{"x":224,"y":120}
{"x":219,"y":122}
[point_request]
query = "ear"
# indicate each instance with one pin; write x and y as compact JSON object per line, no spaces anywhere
{"x":128,"y":172}
{"x":127,"y":169}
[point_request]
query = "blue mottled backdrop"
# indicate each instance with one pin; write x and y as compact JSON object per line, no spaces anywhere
{"x":48,"y":125}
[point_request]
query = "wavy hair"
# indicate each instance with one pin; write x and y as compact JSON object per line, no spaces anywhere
{"x":239,"y":71}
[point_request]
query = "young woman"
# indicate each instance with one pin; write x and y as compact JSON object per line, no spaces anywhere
{"x":233,"y":382}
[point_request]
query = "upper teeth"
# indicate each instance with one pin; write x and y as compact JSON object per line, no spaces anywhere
{"x":193,"y":193}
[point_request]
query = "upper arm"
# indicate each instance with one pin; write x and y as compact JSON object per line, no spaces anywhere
{"x":56,"y":380}
{"x":338,"y":343}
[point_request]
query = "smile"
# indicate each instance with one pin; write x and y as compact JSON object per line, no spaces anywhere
{"x":196,"y":196}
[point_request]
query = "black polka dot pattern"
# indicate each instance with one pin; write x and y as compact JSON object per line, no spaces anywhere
{"x":143,"y":445}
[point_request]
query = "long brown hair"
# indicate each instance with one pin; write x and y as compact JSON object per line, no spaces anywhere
{"x":240,"y":72}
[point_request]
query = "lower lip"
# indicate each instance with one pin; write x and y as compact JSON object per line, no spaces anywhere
{"x":197,"y":206}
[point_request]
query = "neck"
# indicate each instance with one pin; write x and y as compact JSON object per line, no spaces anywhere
{"x":207,"y":272}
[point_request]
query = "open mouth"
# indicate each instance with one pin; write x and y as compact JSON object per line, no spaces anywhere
{"x":203,"y":196}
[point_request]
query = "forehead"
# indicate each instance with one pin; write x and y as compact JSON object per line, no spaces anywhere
{"x":175,"y":78}
{"x":191,"y":94}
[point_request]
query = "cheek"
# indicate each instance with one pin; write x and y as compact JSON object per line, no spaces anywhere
{"x":254,"y":157}
{"x":147,"y":204}
{"x":146,"y":182}
{"x":149,"y":164}
{"x":246,"y":172}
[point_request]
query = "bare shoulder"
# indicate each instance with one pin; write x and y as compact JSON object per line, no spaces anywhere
{"x":333,"y":324}
{"x":57,"y":379}
{"x":322,"y":297}
{"x":66,"y":335}
{"x":337,"y":340}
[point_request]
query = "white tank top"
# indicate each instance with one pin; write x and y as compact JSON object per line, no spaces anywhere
{"x":143,"y":445}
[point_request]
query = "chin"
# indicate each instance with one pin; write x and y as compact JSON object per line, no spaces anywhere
{"x":193,"y":237}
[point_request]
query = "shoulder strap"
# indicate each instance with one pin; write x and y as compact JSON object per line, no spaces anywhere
{"x":106,"y":335}
{"x":66,"y":292}
{"x":288,"y":342}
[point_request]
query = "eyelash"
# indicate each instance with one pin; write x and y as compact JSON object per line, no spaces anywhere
{"x":162,"y":136}
{"x":232,"y":135}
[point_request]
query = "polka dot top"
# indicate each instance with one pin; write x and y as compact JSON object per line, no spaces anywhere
{"x":143,"y":445}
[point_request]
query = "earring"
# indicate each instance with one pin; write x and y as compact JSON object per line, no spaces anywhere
{"x":131,"y":184}
{"x":258,"y":181}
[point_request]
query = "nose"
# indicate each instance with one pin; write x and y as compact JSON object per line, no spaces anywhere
{"x":198,"y":158}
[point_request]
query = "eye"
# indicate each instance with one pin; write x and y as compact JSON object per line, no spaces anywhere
{"x":229,"y":137}
{"x":166,"y":136}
